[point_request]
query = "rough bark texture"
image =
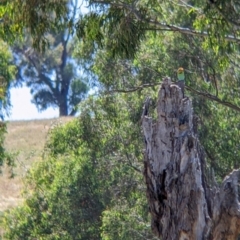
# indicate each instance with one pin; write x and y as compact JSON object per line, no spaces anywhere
{"x":181,"y":203}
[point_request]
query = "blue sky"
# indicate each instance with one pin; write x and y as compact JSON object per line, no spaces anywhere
{"x":23,"y":109}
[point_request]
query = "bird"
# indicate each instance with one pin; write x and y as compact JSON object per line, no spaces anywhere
{"x":181,"y":79}
{"x":180,"y":74}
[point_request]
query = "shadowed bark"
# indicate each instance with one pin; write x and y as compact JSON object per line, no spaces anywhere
{"x":181,"y":204}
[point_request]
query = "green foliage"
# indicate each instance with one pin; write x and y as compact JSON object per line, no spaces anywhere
{"x":204,"y":72}
{"x":65,"y":204}
{"x":79,"y":90}
{"x":7,"y":74}
{"x":65,"y":195}
{"x":114,"y":25}
{"x":90,"y":165}
{"x":127,"y":219}
{"x":90,"y":185}
{"x":35,"y":17}
{"x":113,"y":29}
{"x":88,"y":28}
{"x":70,"y":136}
{"x":5,"y":157}
{"x":219,"y":135}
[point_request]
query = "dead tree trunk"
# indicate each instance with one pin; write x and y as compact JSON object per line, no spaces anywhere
{"x":181,"y":204}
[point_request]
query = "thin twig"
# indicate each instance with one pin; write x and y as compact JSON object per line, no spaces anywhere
{"x":199,"y":93}
{"x":167,"y":27}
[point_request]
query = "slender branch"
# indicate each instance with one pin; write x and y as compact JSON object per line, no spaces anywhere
{"x":127,"y":155}
{"x":199,"y":93}
{"x":140,"y":87}
{"x":165,"y":26}
{"x":226,"y":17}
{"x":214,"y":98}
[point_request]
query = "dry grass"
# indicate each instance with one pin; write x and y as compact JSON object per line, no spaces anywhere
{"x":27,"y":138}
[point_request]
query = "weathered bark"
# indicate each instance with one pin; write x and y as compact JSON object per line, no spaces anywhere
{"x":181,"y":204}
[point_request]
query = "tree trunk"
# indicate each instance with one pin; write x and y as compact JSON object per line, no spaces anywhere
{"x":181,"y":204}
{"x":65,"y":79}
{"x":63,"y":105}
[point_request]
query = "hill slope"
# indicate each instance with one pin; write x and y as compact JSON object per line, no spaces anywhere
{"x":26,"y":139}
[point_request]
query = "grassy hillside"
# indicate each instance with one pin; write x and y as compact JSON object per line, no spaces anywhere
{"x":26,"y":139}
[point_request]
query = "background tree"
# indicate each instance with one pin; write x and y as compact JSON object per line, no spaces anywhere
{"x":54,"y":78}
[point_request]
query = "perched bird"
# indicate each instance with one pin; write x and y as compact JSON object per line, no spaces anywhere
{"x":180,"y":74}
{"x":181,"y":79}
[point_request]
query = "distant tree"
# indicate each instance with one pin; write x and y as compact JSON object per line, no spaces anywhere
{"x":52,"y":75}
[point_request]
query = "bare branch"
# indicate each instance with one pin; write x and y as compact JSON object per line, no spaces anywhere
{"x":226,"y":17}
{"x":214,"y":98}
{"x":163,"y":26}
{"x":199,"y":93}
